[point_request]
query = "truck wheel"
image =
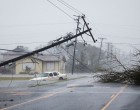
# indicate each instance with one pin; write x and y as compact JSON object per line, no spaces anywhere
{"x":60,"y":78}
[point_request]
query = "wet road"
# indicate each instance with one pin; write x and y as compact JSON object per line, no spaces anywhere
{"x":78,"y":94}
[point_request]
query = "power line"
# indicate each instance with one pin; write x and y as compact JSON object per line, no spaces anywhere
{"x":43,"y":24}
{"x":123,"y":43}
{"x":67,"y":62}
{"x":23,"y":43}
{"x":60,"y":9}
{"x":80,"y":68}
{"x":70,"y":7}
{"x":12,"y":70}
{"x":72,"y":59}
{"x":77,"y":59}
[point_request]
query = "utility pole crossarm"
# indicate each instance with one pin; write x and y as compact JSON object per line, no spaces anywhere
{"x":42,"y":49}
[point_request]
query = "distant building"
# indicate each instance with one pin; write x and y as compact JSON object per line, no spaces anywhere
{"x":36,"y":63}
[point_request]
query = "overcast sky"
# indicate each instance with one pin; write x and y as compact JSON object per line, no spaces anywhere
{"x":30,"y":21}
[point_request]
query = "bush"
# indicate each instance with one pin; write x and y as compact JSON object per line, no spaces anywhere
{"x":4,"y":70}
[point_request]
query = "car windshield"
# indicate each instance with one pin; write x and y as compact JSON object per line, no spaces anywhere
{"x":43,"y":75}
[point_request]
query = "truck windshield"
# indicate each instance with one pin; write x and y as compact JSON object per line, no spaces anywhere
{"x":43,"y":75}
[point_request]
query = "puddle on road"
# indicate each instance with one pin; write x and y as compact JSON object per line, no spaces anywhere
{"x":77,"y":85}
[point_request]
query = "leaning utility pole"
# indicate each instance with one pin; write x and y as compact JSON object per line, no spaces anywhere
{"x":86,"y":24}
{"x":59,"y":41}
{"x":65,"y":39}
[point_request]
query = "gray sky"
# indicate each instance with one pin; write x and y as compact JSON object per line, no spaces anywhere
{"x":26,"y":21}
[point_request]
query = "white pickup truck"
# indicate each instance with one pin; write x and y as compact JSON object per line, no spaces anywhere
{"x":49,"y":76}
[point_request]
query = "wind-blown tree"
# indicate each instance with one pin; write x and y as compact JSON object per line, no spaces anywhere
{"x":119,"y":71}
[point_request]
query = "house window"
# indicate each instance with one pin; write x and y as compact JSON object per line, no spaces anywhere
{"x":29,"y":65}
{"x":50,"y":66}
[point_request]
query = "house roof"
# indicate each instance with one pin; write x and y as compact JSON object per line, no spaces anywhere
{"x":48,"y":57}
{"x":20,"y":50}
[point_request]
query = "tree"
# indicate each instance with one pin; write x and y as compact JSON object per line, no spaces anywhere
{"x":119,"y":72}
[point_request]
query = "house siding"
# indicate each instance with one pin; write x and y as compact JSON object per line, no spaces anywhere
{"x":62,"y":67}
{"x":57,"y":66}
{"x":19,"y":66}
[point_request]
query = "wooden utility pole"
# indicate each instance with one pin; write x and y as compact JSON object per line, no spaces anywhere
{"x":77,"y":30}
{"x":86,"y":24}
{"x":100,"y":49}
{"x":108,"y":49}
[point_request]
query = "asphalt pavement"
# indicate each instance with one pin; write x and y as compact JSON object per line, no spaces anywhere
{"x":78,"y":94}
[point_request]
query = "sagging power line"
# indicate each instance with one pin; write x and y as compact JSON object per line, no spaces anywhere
{"x":70,"y":7}
{"x":60,"y":9}
{"x":90,"y":70}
